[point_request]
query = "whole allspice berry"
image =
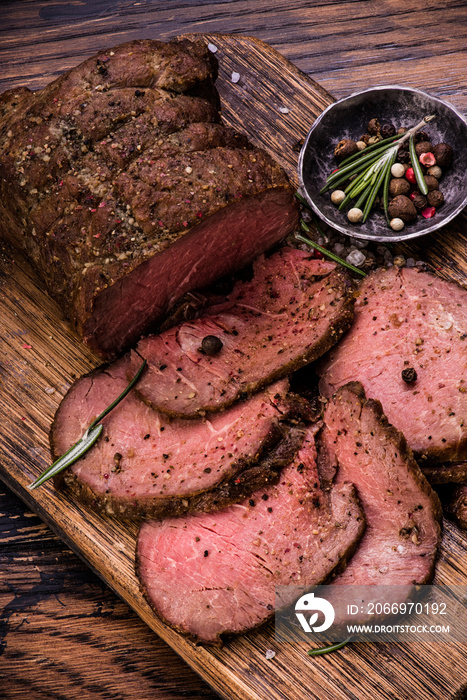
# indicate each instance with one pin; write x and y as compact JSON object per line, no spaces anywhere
{"x":435,"y":198}
{"x":211,"y":345}
{"x":431,"y":182}
{"x":399,"y":185}
{"x":443,"y":154}
{"x":388,"y":130}
{"x":420,"y":202}
{"x":403,"y":155}
{"x":373,"y":127}
{"x":423,"y":147}
{"x":409,"y":375}
{"x":401,"y":207}
{"x":421,"y":136}
{"x":345,"y":148}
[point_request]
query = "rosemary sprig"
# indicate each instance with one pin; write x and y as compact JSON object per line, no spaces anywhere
{"x":324,"y":251}
{"x":369,"y":171}
{"x":326,"y":650}
{"x":89,"y":438}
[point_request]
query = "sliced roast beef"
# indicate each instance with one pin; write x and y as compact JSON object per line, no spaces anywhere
{"x":209,"y":575}
{"x":450,"y":473}
{"x":408,"y":347}
{"x":454,"y":500}
{"x":123,"y":188}
{"x":145,"y":464}
{"x":292,"y":311}
{"x":401,"y":509}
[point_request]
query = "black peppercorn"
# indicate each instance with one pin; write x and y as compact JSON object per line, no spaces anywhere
{"x":420,"y":202}
{"x":373,"y":127}
{"x":421,"y":136}
{"x":345,"y":148}
{"x":409,"y":375}
{"x":211,"y":345}
{"x":435,"y":198}
{"x":387,"y":130}
{"x":403,"y":156}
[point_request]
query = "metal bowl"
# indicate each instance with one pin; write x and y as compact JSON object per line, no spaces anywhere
{"x":348,"y":118}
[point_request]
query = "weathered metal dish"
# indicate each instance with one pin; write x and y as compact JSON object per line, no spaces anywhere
{"x":348,"y":118}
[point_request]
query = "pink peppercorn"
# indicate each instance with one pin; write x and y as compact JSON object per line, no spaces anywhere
{"x":429,"y":212}
{"x":427,"y":159}
{"x":410,"y":175}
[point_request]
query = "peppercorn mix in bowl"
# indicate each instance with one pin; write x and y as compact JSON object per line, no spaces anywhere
{"x":368,"y":123}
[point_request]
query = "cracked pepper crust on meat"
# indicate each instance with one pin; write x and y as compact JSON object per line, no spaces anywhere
{"x":120,"y":174}
{"x":210,"y":575}
{"x":409,"y":319}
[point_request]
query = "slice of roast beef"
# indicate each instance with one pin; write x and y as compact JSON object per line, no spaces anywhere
{"x":454,"y":500}
{"x":402,"y":511}
{"x":408,"y":347}
{"x":292,"y":311}
{"x":146,"y":464}
{"x":123,"y":188}
{"x":210,"y":575}
{"x":450,"y":473}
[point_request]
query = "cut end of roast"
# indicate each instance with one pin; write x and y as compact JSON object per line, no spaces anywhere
{"x":225,"y":242}
{"x":120,"y":175}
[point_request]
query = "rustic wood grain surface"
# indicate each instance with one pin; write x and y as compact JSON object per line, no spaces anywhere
{"x":89,"y":644}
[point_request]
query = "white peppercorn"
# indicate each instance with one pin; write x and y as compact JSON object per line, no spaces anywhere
{"x":396,"y":224}
{"x":337,"y":196}
{"x":355,"y":215}
{"x":398,"y":170}
{"x":435,"y":170}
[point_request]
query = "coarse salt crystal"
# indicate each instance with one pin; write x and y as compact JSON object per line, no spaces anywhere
{"x":338,"y":248}
{"x":284,"y":110}
{"x":235,"y":77}
{"x":356,"y":258}
{"x":270,"y":654}
{"x":212,"y":48}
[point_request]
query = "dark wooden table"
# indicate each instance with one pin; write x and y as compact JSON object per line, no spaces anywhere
{"x":47,"y":596}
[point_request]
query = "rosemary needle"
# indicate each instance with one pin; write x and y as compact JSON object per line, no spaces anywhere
{"x":326,"y":650}
{"x":326,"y":252}
{"x":89,"y":438}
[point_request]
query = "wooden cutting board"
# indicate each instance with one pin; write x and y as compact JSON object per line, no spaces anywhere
{"x":40,"y":357}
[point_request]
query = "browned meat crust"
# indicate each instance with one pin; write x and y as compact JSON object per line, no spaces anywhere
{"x":121,"y":158}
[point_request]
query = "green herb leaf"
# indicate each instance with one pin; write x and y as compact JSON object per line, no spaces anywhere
{"x":422,"y":186}
{"x":70,"y":457}
{"x":371,"y":169}
{"x":87,"y":441}
{"x":327,"y":650}
{"x":326,"y":252}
